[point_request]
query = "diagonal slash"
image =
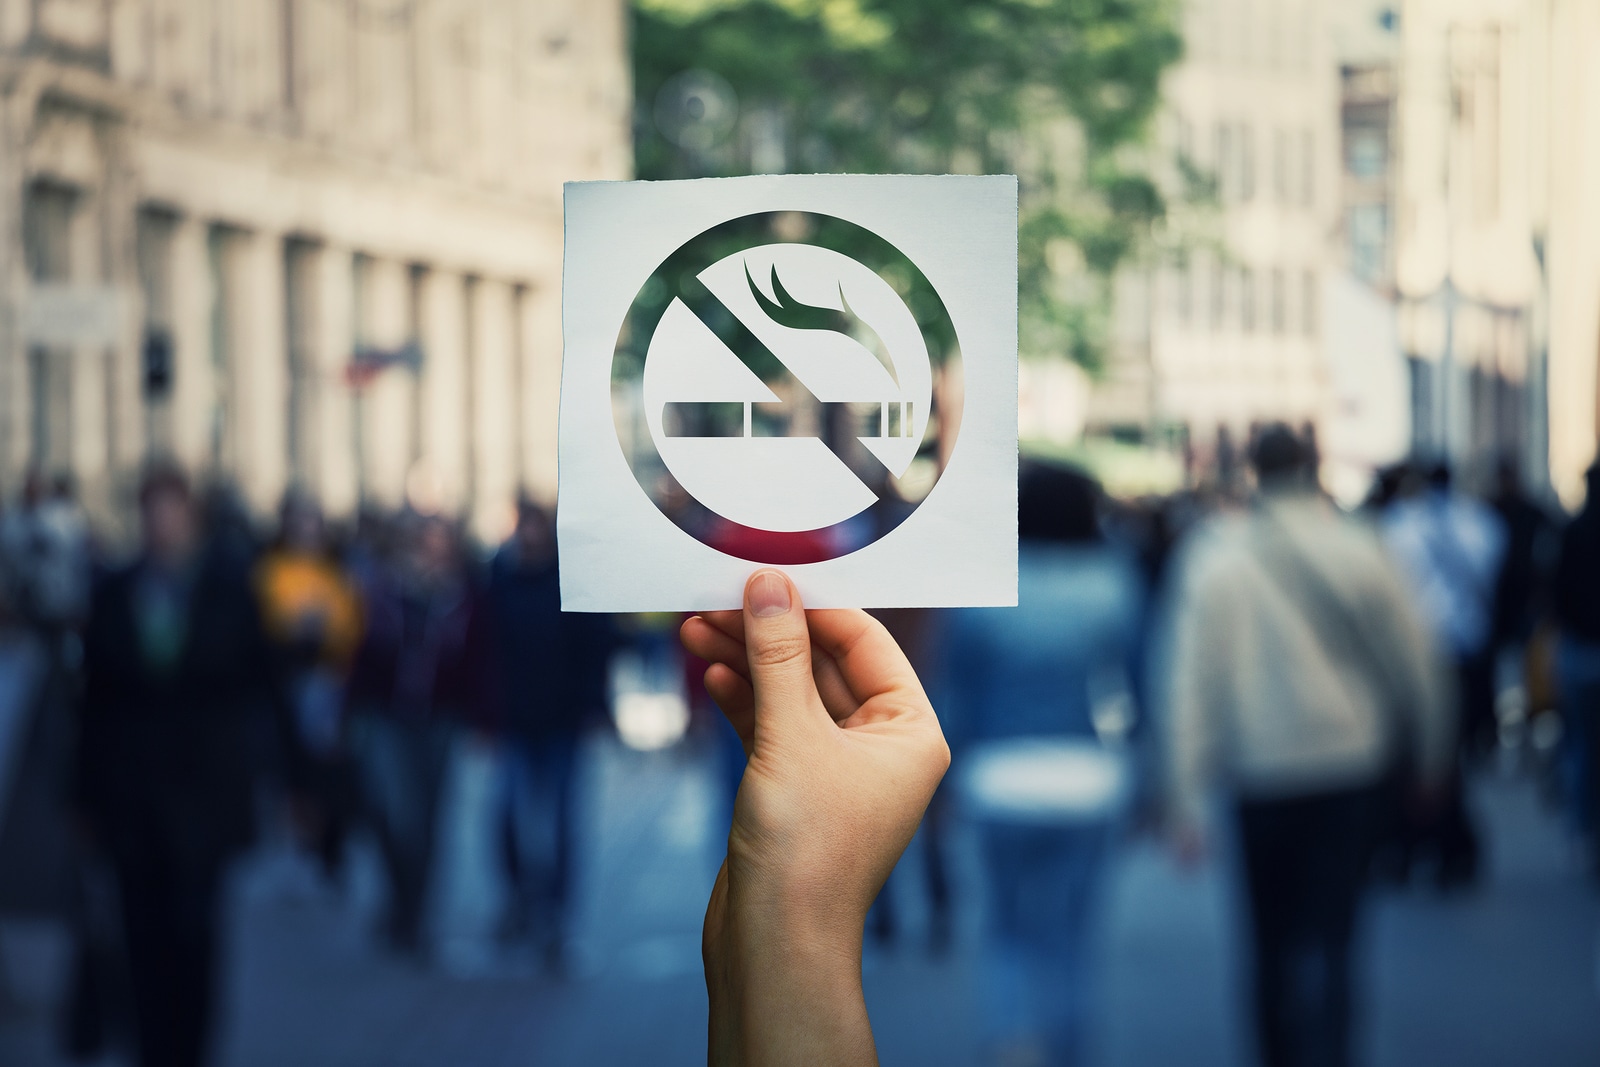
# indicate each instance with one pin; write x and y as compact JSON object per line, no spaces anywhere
{"x":717,"y":419}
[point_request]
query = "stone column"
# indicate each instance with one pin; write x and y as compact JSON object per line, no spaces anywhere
{"x":13,"y":278}
{"x":305,"y":382}
{"x":444,"y":389}
{"x":260,"y":369}
{"x":494,"y":409}
{"x":193,"y":380}
{"x":387,"y":418}
{"x":541,"y":354}
{"x":16,"y":21}
{"x":334,"y":461}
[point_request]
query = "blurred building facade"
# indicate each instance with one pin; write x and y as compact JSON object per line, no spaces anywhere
{"x":1567,"y":88}
{"x":1369,"y":421}
{"x":1472,"y":209}
{"x":296,"y":242}
{"x":1498,"y":265}
{"x":1406,"y":248}
{"x":1229,"y":331}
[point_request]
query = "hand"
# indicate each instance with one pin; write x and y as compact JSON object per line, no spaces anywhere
{"x":844,"y":755}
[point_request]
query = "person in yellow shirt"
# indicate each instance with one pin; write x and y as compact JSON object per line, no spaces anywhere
{"x":312,"y":615}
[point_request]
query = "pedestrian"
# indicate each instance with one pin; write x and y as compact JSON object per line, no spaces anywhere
{"x":1300,"y":678}
{"x":1522,"y":584}
{"x":1018,"y":702}
{"x":553,"y":683}
{"x":35,"y":760}
{"x":1577,"y":615}
{"x":1450,"y":548}
{"x":175,"y":665}
{"x":46,"y":545}
{"x":422,"y":676}
{"x":313,"y":619}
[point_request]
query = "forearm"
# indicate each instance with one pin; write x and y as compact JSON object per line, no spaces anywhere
{"x":784,"y":990}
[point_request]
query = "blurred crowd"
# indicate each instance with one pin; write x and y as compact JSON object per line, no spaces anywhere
{"x":1327,"y":682}
{"x":217,"y":688}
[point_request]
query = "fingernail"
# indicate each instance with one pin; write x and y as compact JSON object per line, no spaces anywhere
{"x":769,"y":595}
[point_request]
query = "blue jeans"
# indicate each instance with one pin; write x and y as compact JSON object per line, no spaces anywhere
{"x":539,"y":810}
{"x":401,"y":767}
{"x":1043,"y":883}
{"x":1578,"y":679}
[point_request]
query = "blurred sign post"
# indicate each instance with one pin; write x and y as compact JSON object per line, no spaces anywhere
{"x":69,"y":316}
{"x":368,"y":361}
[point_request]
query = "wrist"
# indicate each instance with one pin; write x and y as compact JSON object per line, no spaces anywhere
{"x":780,"y":975}
{"x":762,"y":929}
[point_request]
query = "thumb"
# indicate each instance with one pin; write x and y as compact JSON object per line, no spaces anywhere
{"x":778,"y":644}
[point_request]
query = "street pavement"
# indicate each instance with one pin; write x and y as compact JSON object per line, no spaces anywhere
{"x":1506,"y":975}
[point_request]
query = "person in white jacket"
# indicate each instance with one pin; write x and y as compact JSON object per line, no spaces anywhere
{"x":1301,"y":680}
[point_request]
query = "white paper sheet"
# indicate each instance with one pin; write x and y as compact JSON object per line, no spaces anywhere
{"x":773,"y":371}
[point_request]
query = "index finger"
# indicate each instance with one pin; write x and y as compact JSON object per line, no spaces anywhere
{"x":870,"y":661}
{"x":729,"y":622}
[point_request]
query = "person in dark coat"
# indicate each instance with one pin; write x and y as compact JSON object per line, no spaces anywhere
{"x":423,"y":674}
{"x":1521,"y":589}
{"x":1577,"y":615}
{"x":176,"y":668}
{"x":553,"y":681}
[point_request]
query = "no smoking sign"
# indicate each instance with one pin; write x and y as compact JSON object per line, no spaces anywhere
{"x":814,"y":372}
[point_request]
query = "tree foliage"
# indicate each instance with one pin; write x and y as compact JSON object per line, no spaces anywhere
{"x":1060,"y":91}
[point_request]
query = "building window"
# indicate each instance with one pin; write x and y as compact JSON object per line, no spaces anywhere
{"x":1366,"y":153}
{"x":1310,"y":302}
{"x":153,"y":250}
{"x":47,"y":218}
{"x":1247,"y":300}
{"x":360,"y":298}
{"x":47,"y":231}
{"x":1280,"y":315}
{"x":1367,"y":233}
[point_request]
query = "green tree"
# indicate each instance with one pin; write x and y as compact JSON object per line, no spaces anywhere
{"x":1060,"y":91}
